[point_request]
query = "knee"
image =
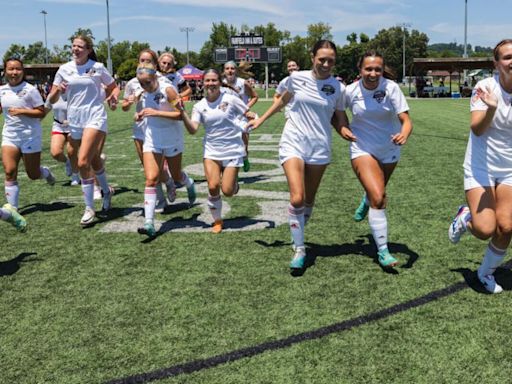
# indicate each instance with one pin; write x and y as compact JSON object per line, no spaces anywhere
{"x":504,"y":227}
{"x":297,"y":200}
{"x":378,"y":200}
{"x":228,"y":191}
{"x":84,"y":163}
{"x":34,"y":174}
{"x":56,"y":153}
{"x":151,"y":182}
{"x":483,"y":231}
{"x":213,"y":189}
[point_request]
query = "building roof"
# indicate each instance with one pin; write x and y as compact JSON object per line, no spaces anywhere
{"x":451,"y":64}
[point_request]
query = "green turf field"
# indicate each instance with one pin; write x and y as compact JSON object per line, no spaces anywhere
{"x":103,"y":304}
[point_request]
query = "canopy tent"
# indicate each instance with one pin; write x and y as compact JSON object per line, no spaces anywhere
{"x":189,"y":72}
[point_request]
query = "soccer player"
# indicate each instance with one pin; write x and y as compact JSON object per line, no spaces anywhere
{"x":488,"y":168}
{"x":23,"y":109}
{"x":224,"y":149}
{"x":305,"y":146}
{"x":132,"y":95}
{"x":234,"y":76}
{"x":163,"y":135}
{"x":59,"y":138}
{"x":167,"y":69}
{"x":81,"y":82}
{"x":380,"y":126}
{"x":291,"y":66}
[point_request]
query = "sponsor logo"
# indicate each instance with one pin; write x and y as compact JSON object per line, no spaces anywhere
{"x":328,"y":89}
{"x":158,"y":97}
{"x":223,"y":106}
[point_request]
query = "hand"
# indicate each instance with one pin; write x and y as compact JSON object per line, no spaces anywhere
{"x":251,"y":115}
{"x":62,"y":87}
{"x":148,"y":112}
{"x":15,"y":111}
{"x":112,"y":102}
{"x":178,"y":104}
{"x":399,"y":138}
{"x":347,"y":134}
{"x":253,"y":124}
{"x":486,"y":96}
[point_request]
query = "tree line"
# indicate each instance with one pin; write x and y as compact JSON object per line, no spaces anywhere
{"x":388,"y":41}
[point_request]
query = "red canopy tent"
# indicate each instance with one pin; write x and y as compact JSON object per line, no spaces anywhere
{"x":189,"y":72}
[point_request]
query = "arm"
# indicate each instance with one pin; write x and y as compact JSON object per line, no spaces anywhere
{"x":56,"y":91}
{"x":275,"y":107}
{"x":112,"y":95}
{"x":37,"y":112}
{"x":192,"y":126}
{"x":401,"y":138}
{"x":253,"y":96}
{"x":185,"y":90}
{"x":340,"y":122}
{"x":481,"y":120}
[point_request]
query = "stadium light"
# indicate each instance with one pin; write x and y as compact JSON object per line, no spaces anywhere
{"x":44,"y":13}
{"x":187,"y":30}
{"x":404,"y":27}
{"x":109,"y":58}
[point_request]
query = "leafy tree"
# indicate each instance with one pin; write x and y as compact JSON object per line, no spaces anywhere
{"x":220,"y":37}
{"x":318,"y":31}
{"x":15,"y":50}
{"x":82,"y":32}
{"x":127,"y":69}
{"x":36,"y":53}
{"x":60,"y":55}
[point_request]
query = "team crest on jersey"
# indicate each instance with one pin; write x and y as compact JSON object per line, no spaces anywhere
{"x":379,"y":95}
{"x":159,"y":96}
{"x":21,"y":93}
{"x":223,"y":106}
{"x":328,"y":89}
{"x":91,"y":71}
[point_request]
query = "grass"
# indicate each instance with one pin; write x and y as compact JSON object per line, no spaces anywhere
{"x":89,"y":306}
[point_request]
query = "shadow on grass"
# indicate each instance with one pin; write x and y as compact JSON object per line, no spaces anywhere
{"x":364,"y":246}
{"x":503,"y":277}
{"x":10,"y":267}
{"x":40,"y":207}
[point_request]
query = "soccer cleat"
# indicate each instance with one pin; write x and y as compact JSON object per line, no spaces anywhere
{"x":217,"y":226}
{"x":247,"y":164}
{"x":147,"y":229}
{"x":160,"y":206}
{"x":88,"y":217}
{"x":16,"y":219}
{"x":362,"y":210}
{"x":69,"y":171}
{"x":457,"y":229}
{"x":299,"y":258}
{"x":50,"y":179}
{"x":489,"y":283}
{"x":386,"y":260}
{"x":107,"y":199}
{"x":191,"y":192}
{"x":75,"y":180}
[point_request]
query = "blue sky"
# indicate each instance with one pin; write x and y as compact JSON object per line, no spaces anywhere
{"x":158,"y":22}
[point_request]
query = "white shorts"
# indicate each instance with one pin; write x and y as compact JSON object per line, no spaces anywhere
{"x":29,"y":145}
{"x":60,"y":128}
{"x":166,"y":151}
{"x":288,"y":151}
{"x":138,"y":133}
{"x":388,"y":155}
{"x":237,"y":162}
{"x":77,"y":132}
{"x":479,"y":177}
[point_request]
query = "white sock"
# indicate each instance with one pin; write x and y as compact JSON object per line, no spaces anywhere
{"x":159,"y":192}
{"x":215,"y":205}
{"x":12,"y":193}
{"x":493,"y":257}
{"x":296,"y":222}
{"x":45,"y":172}
{"x":88,"y":192}
{"x":379,"y":227}
{"x":149,"y":203}
{"x":308,"y":210}
{"x":101,"y":176}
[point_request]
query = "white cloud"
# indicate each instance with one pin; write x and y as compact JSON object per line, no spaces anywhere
{"x":85,"y":2}
{"x":258,"y":6}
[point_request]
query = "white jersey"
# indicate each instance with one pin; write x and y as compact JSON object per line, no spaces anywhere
{"x":23,"y":95}
{"x":309,"y":122}
{"x":134,"y":88}
{"x":84,"y":92}
{"x":492,"y":150}
{"x":223,"y":136}
{"x":161,"y":132}
{"x":281,"y":87}
{"x":60,"y":116}
{"x":175,"y":78}
{"x":239,"y":88}
{"x":375,"y":114}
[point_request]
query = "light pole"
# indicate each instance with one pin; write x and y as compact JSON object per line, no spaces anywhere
{"x":109,"y":58}
{"x":45,"y":37}
{"x":465,"y":28}
{"x":187,"y":30}
{"x":403,"y":26}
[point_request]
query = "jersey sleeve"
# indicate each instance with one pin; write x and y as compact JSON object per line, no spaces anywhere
{"x":283,"y":84}
{"x":196,"y":117}
{"x":341,"y":102}
{"x":239,"y":105}
{"x":34,"y":98}
{"x":398,"y":100}
{"x":58,"y":79}
{"x":106,"y":77}
{"x":290,"y":83}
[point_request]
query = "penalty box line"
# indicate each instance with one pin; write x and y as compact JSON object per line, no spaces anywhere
{"x":211,"y":362}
